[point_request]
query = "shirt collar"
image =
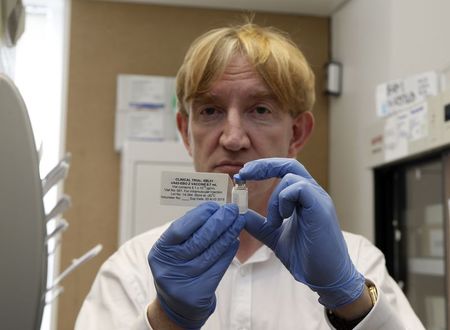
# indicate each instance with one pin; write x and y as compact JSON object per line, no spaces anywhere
{"x":261,"y":255}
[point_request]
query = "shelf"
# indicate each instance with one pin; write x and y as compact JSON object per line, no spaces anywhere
{"x":427,"y":266}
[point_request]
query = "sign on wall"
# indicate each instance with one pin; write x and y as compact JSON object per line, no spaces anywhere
{"x":397,"y":95}
{"x":145,"y":109}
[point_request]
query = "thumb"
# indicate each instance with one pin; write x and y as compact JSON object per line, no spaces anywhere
{"x":260,"y":228}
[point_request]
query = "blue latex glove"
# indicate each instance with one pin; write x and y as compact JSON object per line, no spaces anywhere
{"x":309,"y":242}
{"x":190,"y":258}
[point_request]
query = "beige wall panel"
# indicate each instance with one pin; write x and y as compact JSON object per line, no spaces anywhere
{"x":111,"y":38}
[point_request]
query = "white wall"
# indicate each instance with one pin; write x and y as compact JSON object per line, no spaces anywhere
{"x":420,"y":37}
{"x":376,"y":41}
{"x":6,"y":59}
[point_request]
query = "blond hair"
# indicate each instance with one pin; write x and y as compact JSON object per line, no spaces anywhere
{"x":274,"y":56}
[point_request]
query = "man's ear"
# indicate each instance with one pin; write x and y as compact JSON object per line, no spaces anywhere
{"x":302,"y":127}
{"x":183,"y":128}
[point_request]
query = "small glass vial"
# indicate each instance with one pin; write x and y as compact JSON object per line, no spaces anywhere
{"x":239,"y":195}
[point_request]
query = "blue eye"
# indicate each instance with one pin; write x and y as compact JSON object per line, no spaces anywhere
{"x":262,"y":114}
{"x":262,"y":110}
{"x":208,"y":114}
{"x":208,"y":111}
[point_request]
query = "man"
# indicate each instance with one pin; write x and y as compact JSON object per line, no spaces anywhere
{"x":245,"y":95}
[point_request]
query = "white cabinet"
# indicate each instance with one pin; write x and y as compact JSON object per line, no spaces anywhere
{"x":142,"y":163}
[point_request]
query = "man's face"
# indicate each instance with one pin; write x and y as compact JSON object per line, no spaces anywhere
{"x":239,"y":120}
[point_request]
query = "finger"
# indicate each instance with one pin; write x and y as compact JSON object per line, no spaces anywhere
{"x":260,"y":228}
{"x":300,"y":193}
{"x":266,"y":168}
{"x":273,"y":211}
{"x":215,"y":251}
{"x":254,"y":222}
{"x":181,"y":229}
{"x":207,"y":234}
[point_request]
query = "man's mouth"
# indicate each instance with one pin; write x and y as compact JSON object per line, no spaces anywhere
{"x":228,"y":167}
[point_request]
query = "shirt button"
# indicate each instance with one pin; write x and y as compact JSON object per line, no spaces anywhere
{"x":243,"y":272}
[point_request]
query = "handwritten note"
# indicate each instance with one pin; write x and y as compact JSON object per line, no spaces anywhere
{"x":396,"y":95}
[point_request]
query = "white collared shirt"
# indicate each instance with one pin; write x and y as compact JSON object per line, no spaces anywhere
{"x":258,"y":294}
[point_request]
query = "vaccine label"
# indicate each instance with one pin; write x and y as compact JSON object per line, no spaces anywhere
{"x":191,"y":189}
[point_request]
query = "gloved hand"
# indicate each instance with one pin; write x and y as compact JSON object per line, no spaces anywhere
{"x":190,"y":258}
{"x":309,"y":242}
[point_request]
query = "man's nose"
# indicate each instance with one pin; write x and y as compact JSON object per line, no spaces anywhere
{"x":234,"y":135}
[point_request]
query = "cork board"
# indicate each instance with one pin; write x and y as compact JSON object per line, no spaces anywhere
{"x":108,"y":38}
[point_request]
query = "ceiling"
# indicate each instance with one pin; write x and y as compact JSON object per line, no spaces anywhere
{"x":305,"y":7}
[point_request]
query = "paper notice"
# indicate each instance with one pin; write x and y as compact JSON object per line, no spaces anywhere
{"x":191,"y":189}
{"x":396,"y":95}
{"x":396,"y":136}
{"x":418,"y":124}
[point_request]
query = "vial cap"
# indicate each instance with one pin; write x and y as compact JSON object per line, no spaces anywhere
{"x":238,"y":180}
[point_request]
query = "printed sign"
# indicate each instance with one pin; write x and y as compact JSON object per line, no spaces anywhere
{"x":191,"y":189}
